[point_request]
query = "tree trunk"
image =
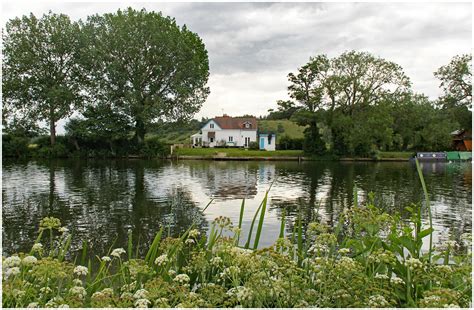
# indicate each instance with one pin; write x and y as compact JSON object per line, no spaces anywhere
{"x":52,"y":131}
{"x":140,"y":131}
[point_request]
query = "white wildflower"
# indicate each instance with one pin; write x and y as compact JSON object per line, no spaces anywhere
{"x":444,"y":268}
{"x":12,"y":261}
{"x":142,"y":303}
{"x":117,"y":252}
{"x":194,"y":233}
{"x":37,"y":247}
{"x":377,"y":301}
{"x":161,"y":260}
{"x":171,"y":273}
{"x":397,"y":280}
{"x":141,"y":294}
{"x":78,"y":291}
{"x":106,"y":258}
{"x":126,"y":296}
{"x":77,"y":282}
{"x":18,"y":293}
{"x":33,"y":305}
{"x":344,"y":251}
{"x":108,"y":292}
{"x":413,"y":263}
{"x":241,"y":292}
{"x":12,"y":272}
{"x":30,"y":260}
{"x":381,"y":276}
{"x":182,"y":278}
{"x":98,"y":295}
{"x":45,"y":290}
{"x":189,"y":241}
{"x":216,"y":261}
{"x":451,"y":306}
{"x":81,"y":271}
{"x":63,"y":230}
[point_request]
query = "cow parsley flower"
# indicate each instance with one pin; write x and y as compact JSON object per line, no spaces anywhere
{"x":37,"y":247}
{"x":106,"y":258}
{"x":194,"y":233}
{"x":78,"y":291}
{"x":182,"y":278}
{"x":30,"y":260}
{"x":142,"y":303}
{"x":377,"y":301}
{"x":33,"y":305}
{"x":12,"y":261}
{"x":12,"y":272}
{"x":161,"y":260}
{"x":117,"y":252}
{"x":216,"y":261}
{"x":381,"y":276}
{"x":81,"y":271}
{"x":141,"y":294}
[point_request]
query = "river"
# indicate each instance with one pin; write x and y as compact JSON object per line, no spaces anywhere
{"x":101,"y":200}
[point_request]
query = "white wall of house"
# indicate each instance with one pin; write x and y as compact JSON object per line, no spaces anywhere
{"x":263,"y":142}
{"x":222,"y":135}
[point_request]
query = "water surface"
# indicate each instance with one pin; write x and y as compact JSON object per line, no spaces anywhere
{"x":101,"y":200}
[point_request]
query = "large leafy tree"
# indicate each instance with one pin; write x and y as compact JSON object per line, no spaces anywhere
{"x":41,"y":78}
{"x":345,"y":86}
{"x":456,"y":80}
{"x":456,"y":83}
{"x":145,"y":66}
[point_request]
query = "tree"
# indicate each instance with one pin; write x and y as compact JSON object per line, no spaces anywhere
{"x":41,"y":78}
{"x":361,"y":79}
{"x":456,"y":80}
{"x":286,"y":109}
{"x":145,"y":66}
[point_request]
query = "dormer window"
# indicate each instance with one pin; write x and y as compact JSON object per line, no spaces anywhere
{"x":211,"y":125}
{"x":247,"y":125}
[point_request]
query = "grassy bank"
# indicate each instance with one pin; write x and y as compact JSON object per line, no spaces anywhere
{"x":235,"y":152}
{"x":238,"y":152}
{"x":368,"y":259}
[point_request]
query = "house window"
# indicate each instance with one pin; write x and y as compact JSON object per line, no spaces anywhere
{"x":247,"y":125}
{"x":211,"y":140}
{"x":231,"y":139}
{"x":211,"y":125}
{"x":247,"y":141}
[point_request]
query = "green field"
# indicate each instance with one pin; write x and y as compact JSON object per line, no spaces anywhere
{"x":282,"y":128}
{"x":235,"y":152}
{"x":182,"y":134}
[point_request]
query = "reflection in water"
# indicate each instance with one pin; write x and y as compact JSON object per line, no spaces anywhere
{"x":100,"y":201}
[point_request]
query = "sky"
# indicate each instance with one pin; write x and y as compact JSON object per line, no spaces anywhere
{"x":253,"y":46}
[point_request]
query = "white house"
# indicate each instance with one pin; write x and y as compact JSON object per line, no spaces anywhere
{"x":231,"y":131}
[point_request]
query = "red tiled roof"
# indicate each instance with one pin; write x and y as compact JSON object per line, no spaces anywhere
{"x":227,"y":122}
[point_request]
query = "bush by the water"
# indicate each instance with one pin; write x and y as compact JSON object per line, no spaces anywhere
{"x":13,"y":146}
{"x":369,"y":259}
{"x":288,"y":143}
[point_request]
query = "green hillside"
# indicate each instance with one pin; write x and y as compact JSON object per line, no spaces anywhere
{"x":177,"y":134}
{"x":282,"y":128}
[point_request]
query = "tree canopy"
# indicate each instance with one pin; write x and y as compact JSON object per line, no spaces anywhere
{"x":41,"y":78}
{"x":145,"y":66}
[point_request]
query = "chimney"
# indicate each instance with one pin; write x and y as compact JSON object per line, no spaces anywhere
{"x":225,"y":115}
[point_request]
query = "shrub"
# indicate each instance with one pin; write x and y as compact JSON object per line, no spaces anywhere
{"x":14,"y":146}
{"x":153,"y":147}
{"x":287,"y":143}
{"x":253,"y":145}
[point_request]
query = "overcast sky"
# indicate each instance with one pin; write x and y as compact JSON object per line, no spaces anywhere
{"x":253,"y":46}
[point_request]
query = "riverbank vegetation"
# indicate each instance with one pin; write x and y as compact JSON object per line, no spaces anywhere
{"x":367,"y":259}
{"x":357,"y":104}
{"x":370,"y":259}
